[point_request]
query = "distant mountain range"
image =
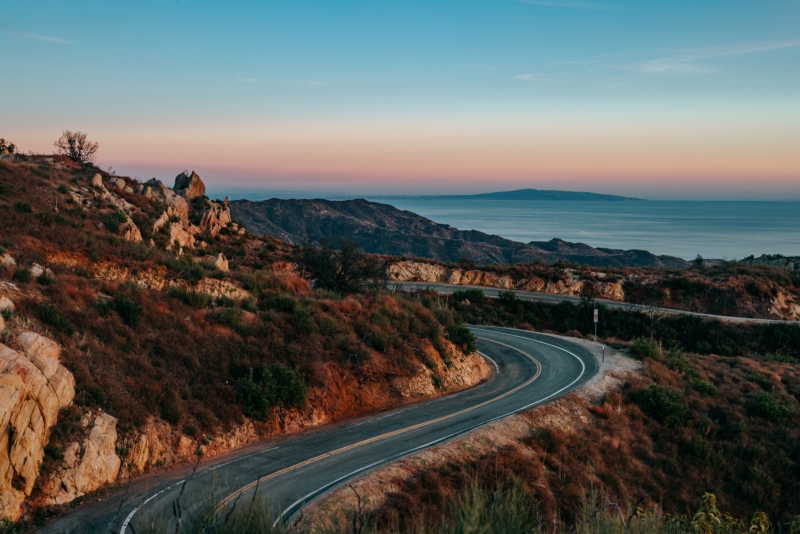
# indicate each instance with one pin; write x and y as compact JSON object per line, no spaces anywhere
{"x":384,"y":229}
{"x":521,"y":194}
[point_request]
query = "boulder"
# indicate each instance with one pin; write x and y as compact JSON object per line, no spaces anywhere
{"x":131,"y":232}
{"x":6,"y":304}
{"x":87,"y":465}
{"x":189,"y":185}
{"x":34,"y":386}
{"x":117,"y":183}
{"x":97,"y":180}
{"x":221,"y":263}
{"x":7,"y":261}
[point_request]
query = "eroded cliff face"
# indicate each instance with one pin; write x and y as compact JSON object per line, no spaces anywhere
{"x":34,"y":386}
{"x":569,"y":284}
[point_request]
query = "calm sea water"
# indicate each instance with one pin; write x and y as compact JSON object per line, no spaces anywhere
{"x":713,"y":229}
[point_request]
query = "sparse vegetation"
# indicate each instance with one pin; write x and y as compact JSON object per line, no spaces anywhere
{"x":77,"y":147}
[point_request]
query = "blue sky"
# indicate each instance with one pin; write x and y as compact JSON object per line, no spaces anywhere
{"x":661,"y":99}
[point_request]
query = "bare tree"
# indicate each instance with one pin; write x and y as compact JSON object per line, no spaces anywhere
{"x":76,"y":146}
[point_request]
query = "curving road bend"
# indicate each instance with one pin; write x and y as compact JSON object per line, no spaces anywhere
{"x":492,"y":292}
{"x":531,"y":369}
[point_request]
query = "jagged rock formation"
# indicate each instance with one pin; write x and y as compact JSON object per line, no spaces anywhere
{"x":34,"y":386}
{"x":214,"y":218}
{"x":384,"y":229}
{"x":87,"y":465}
{"x":189,"y":185}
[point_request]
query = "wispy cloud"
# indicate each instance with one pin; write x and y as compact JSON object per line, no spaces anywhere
{"x":569,"y":4}
{"x":48,"y":39}
{"x":246,"y":80}
{"x":531,"y":77}
{"x":692,"y":61}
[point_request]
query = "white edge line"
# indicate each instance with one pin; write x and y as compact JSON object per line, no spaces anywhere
{"x":318,"y":491}
{"x":133,"y":512}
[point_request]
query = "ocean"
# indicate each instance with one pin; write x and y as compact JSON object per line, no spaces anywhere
{"x":682,"y":228}
{"x":712,"y":229}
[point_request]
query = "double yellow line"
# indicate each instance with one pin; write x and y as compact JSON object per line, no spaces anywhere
{"x":315,"y":459}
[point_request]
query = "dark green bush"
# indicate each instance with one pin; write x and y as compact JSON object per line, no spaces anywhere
{"x":21,"y":275}
{"x":262,"y":389}
{"x":773,"y":407}
{"x":463,"y":337}
{"x":128,"y":309}
{"x":228,"y":317}
{"x":50,"y":315}
{"x":646,"y":348}
{"x":662,"y":404}
{"x":23,"y":207}
{"x":474,"y":296}
{"x":195,"y":299}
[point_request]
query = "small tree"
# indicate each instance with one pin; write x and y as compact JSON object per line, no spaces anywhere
{"x":4,"y":146}
{"x":346,"y":270}
{"x":76,"y":146}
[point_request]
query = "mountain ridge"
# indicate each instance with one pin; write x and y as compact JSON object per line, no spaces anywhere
{"x":383,"y":229}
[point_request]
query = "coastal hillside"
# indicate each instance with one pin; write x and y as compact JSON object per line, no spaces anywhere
{"x":140,"y":327}
{"x":384,"y":229}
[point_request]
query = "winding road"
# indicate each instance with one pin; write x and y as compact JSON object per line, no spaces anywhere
{"x":492,"y":292}
{"x":531,"y":369}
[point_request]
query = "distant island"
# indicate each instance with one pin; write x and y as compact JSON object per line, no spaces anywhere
{"x":520,"y":194}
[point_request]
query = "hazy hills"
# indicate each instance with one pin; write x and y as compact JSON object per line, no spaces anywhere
{"x":517,"y":194}
{"x":384,"y":229}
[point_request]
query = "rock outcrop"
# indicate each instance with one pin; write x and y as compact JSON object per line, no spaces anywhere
{"x":214,"y":218}
{"x":87,"y":465}
{"x":34,"y":386}
{"x":131,"y":232}
{"x":189,"y":185}
{"x":569,"y":284}
{"x":221,"y":263}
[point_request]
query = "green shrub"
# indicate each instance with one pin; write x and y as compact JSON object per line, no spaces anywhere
{"x":196,"y":299}
{"x":507,"y":298}
{"x":378,"y":341}
{"x":282,"y":303}
{"x":462,"y":336}
{"x":228,"y":317}
{"x":23,"y":207}
{"x":262,"y":389}
{"x":705,"y":387}
{"x":761,"y":379}
{"x":45,"y":279}
{"x":128,"y":309}
{"x":112,"y":221}
{"x":773,"y":407}
{"x":662,"y":404}
{"x":21,"y":275}
{"x":644,"y":347}
{"x":50,"y":315}
{"x":224,"y":302}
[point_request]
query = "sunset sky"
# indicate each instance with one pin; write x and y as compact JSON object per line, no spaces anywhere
{"x":661,"y":99}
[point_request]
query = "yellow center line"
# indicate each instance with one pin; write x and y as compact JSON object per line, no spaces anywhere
{"x":315,"y":459}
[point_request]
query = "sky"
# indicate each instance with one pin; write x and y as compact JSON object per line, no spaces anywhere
{"x":657,"y":99}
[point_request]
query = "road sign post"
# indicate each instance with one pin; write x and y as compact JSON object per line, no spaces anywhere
{"x":595,"y":325}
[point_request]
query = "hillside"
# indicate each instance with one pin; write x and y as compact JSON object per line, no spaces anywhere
{"x":384,"y":229}
{"x":142,"y":327}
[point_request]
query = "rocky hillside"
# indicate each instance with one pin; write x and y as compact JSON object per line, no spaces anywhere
{"x":727,"y":289}
{"x":141,"y":327}
{"x":384,"y":229}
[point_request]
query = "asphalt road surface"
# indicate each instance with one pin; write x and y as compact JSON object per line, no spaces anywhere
{"x":492,"y":292}
{"x":532,"y":369}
